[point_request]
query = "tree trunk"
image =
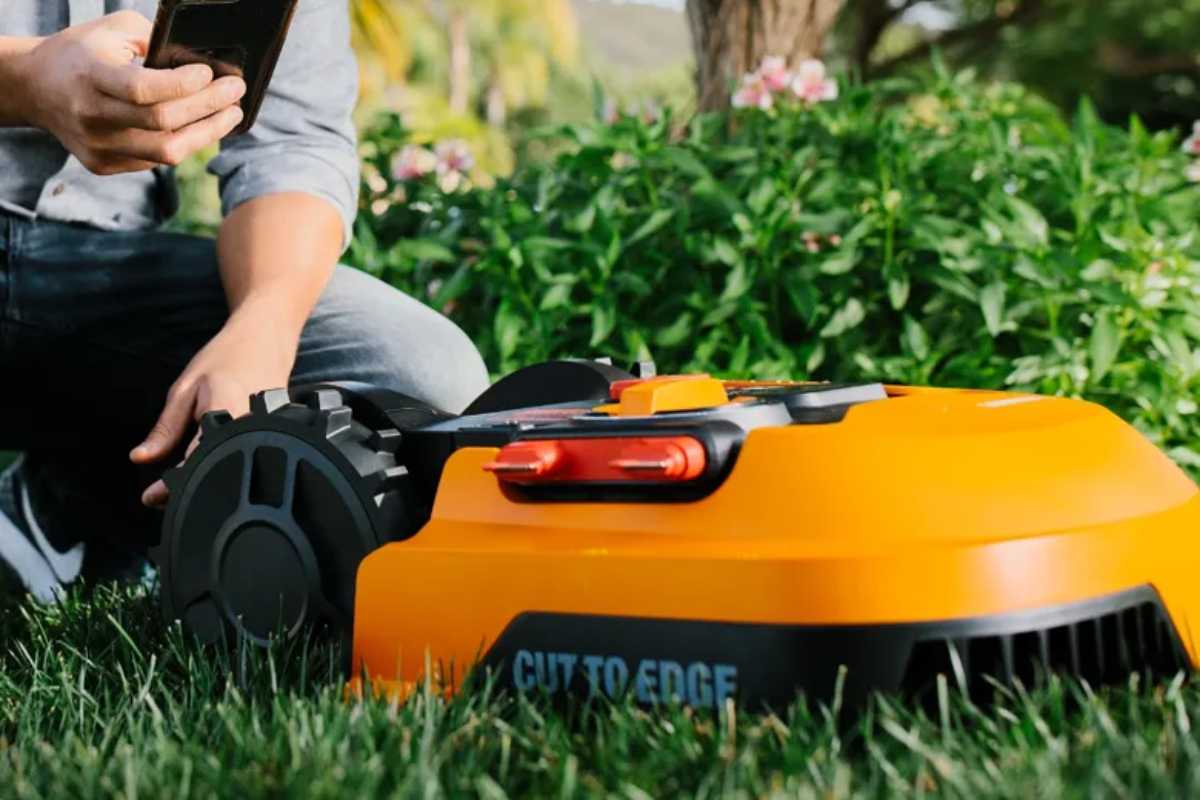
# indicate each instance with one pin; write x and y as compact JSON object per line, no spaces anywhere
{"x":731,"y":38}
{"x":460,"y":62}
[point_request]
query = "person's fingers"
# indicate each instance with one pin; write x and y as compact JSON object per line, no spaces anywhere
{"x":117,"y":166}
{"x":172,"y":148}
{"x":176,"y":416}
{"x":143,"y":87}
{"x":156,"y":495}
{"x":173,"y":114}
{"x":227,"y":398}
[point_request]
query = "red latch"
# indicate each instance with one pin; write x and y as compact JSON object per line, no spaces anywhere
{"x":526,"y":460}
{"x":610,"y":459}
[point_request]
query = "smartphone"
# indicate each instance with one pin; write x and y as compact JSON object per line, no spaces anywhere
{"x":234,"y":37}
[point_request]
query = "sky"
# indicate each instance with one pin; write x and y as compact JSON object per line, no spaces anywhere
{"x":664,"y":3}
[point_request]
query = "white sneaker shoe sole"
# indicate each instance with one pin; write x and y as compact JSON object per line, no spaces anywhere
{"x":66,"y":565}
{"x":33,"y":570}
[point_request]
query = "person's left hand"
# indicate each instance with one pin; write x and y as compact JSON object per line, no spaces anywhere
{"x":244,"y":358}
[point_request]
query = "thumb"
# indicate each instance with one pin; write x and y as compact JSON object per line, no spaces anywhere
{"x":168,"y":430}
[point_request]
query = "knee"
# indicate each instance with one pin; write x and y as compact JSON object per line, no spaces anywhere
{"x":442,"y":367}
{"x":377,"y":334}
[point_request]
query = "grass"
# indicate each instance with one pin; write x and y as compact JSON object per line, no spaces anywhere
{"x":99,"y":699}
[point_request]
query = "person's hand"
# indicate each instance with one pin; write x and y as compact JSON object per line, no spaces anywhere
{"x":247,"y":356}
{"x":87,"y":87}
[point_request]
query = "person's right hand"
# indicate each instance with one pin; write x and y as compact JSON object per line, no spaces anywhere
{"x":89,"y":90}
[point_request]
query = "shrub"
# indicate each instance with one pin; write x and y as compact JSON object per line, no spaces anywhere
{"x":948,"y":232}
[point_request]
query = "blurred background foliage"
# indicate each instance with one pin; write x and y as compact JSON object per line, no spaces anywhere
{"x":493,"y":72}
{"x":997,"y":197}
{"x":933,"y":229}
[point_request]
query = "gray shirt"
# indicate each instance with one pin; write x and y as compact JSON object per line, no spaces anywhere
{"x":302,"y":141}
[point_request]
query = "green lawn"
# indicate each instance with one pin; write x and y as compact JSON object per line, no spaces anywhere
{"x":98,"y":699}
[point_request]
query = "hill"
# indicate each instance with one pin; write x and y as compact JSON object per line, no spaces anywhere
{"x":633,"y":38}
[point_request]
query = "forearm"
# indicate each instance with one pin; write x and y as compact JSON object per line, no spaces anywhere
{"x":276,"y":253}
{"x":15,"y":107}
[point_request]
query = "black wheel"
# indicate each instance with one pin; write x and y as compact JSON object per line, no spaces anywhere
{"x":269,"y":518}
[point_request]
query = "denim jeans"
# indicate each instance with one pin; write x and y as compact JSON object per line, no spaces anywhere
{"x":95,"y":326}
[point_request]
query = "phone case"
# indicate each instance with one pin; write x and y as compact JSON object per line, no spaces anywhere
{"x":234,"y":37}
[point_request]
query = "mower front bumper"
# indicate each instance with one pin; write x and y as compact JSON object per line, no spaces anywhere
{"x":687,"y":611}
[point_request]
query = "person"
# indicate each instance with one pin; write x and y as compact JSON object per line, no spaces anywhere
{"x":116,"y":336}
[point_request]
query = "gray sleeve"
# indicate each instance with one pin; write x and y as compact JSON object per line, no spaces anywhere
{"x":303,"y":140}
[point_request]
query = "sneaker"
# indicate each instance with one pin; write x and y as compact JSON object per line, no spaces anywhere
{"x":25,"y":553}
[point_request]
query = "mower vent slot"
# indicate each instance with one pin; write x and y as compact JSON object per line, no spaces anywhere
{"x":1102,"y":649}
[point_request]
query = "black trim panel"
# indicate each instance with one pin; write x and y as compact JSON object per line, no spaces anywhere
{"x":701,"y":663}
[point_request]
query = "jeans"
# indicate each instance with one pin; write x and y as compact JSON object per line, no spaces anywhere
{"x":95,"y":326}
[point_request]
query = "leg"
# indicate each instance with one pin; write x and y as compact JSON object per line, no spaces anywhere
{"x":364,"y":330}
{"x":99,"y":326}
{"x":104,"y":322}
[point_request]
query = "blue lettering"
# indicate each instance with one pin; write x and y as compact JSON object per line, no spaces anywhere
{"x":670,"y":681}
{"x":523,"y":676}
{"x":646,"y":682}
{"x":592,"y":664}
{"x":699,"y":685}
{"x":616,"y":673}
{"x":567,"y":662}
{"x":725,"y":678}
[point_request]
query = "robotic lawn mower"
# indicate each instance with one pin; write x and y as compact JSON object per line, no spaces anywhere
{"x":582,"y":529}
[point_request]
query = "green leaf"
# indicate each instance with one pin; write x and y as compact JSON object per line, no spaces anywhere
{"x":737,"y":283}
{"x":724,"y":251}
{"x":803,"y":294}
{"x":685,"y":161}
{"x":815,"y":358}
{"x":722,"y":312}
{"x":761,"y":196}
{"x":991,"y":302}
{"x":533,"y":243}
{"x":844,"y":319}
{"x":1103,"y":344}
{"x":676,"y":332}
{"x":582,"y":222}
{"x":656,"y":220}
{"x":557,"y":295}
{"x":508,"y":327}
{"x":423,"y":250}
{"x":914,"y":338}
{"x":1115,"y":242}
{"x":453,"y":287}
{"x":604,"y":319}
{"x":740,"y":355}
{"x":840,"y":263}
{"x":1099,"y":270}
{"x":1031,"y":221}
{"x":898,"y":287}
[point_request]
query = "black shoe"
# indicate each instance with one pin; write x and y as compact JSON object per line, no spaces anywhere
{"x":27,"y":559}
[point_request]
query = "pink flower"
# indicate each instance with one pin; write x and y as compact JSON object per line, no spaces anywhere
{"x":412,"y":162}
{"x":453,"y":155}
{"x":611,"y":112}
{"x":753,"y":93}
{"x":1193,"y":172}
{"x":774,"y":73}
{"x":1191,"y":145}
{"x":811,"y":84}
